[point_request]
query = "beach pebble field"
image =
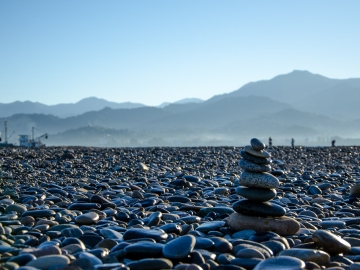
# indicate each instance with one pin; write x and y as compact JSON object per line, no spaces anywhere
{"x":218,"y":208}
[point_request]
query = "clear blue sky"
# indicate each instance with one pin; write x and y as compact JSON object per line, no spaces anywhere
{"x":155,"y":51}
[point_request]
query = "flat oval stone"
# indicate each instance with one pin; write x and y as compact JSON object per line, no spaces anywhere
{"x":246,"y":263}
{"x":72,"y":232}
{"x":219,"y":210}
{"x":256,"y":194}
{"x":41,"y":252}
{"x":259,"y":180}
{"x":262,"y":209}
{"x":283,"y":225}
{"x":189,"y":219}
{"x":45,"y":262}
{"x":18,"y":208}
{"x":313,"y":255}
{"x":355,"y":190}
{"x":135,"y":233}
{"x":210,"y":226}
{"x":330,"y":242}
{"x":22,"y":259}
{"x":87,"y":218}
{"x":254,"y":159}
{"x":180,"y":247}
{"x":91,"y":240}
{"x":154,"y":219}
{"x":181,"y":199}
{"x":221,"y":244}
{"x":90,"y":257}
{"x":252,"y":151}
{"x":150,"y":264}
{"x":250,"y":253}
{"x":313,"y":190}
{"x":191,"y":178}
{"x":253,"y":167}
{"x":144,"y":249}
{"x":84,"y":206}
{"x":111,"y":234}
{"x":61,"y":227}
{"x":275,"y":246}
{"x":257,"y":144}
{"x":39,"y":213}
{"x":332,"y":224}
{"x":281,"y":263}
{"x":203,"y":243}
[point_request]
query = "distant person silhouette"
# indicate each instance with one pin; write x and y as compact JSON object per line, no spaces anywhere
{"x":292,"y":142}
{"x":333,"y":143}
{"x":270,"y":142}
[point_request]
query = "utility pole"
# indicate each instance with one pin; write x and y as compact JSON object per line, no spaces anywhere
{"x":5,"y":132}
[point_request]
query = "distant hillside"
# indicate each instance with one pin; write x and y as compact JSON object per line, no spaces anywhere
{"x":309,"y":107}
{"x":185,"y":101}
{"x":340,"y":101}
{"x":307,"y":92}
{"x":63,"y":110}
{"x":189,"y":100}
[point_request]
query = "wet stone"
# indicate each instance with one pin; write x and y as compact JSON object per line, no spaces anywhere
{"x":283,"y":225}
{"x":257,"y":144}
{"x":18,"y":208}
{"x":330,"y":242}
{"x":260,"y":154}
{"x":134,"y":233}
{"x":256,"y":194}
{"x":281,"y":263}
{"x":262,"y":209}
{"x":87,"y":218}
{"x":258,"y":180}
{"x":314,"y":255}
{"x":90,"y":240}
{"x":210,"y":226}
{"x":257,"y":160}
{"x":45,"y":262}
{"x":144,"y":249}
{"x":180,"y":247}
{"x":39,"y":213}
{"x":219,"y":210}
{"x":150,"y":264}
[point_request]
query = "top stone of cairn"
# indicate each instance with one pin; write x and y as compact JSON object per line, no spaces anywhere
{"x":257,"y":144}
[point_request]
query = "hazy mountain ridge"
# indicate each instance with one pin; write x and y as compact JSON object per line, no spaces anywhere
{"x":307,"y":92}
{"x":226,"y":119}
{"x":64,"y":109}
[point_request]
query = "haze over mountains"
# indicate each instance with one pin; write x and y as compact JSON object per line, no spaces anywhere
{"x":309,"y":107}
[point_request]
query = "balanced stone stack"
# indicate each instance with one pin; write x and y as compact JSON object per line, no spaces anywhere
{"x":259,"y":187}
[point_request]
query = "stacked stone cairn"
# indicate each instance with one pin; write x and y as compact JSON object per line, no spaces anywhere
{"x":258,"y":187}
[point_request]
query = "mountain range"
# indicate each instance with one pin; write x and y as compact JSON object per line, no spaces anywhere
{"x":310,"y":107}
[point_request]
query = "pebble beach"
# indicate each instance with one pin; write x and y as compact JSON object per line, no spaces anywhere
{"x":218,"y":208}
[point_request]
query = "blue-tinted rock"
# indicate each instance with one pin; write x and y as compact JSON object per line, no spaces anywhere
{"x":210,"y":226}
{"x":257,"y":160}
{"x":150,"y":264}
{"x":257,"y":144}
{"x":142,"y":249}
{"x":281,"y":263}
{"x":262,"y":209}
{"x":180,"y":247}
{"x":256,"y":194}
{"x":258,"y":180}
{"x":134,"y":233}
{"x":253,"y":167}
